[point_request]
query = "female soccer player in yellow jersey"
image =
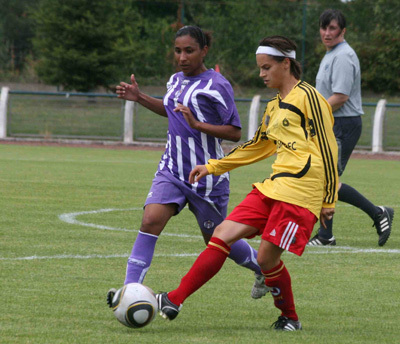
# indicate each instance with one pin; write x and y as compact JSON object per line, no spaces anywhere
{"x":297,"y":126}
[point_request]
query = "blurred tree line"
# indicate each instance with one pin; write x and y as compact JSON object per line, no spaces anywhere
{"x":83,"y":44}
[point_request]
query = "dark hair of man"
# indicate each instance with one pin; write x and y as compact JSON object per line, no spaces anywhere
{"x":201,"y":37}
{"x":284,"y":45}
{"x":328,"y":15}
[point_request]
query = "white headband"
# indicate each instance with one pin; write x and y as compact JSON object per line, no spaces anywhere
{"x":275,"y":52}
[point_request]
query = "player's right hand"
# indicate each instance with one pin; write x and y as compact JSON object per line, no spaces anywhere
{"x":197,"y":173}
{"x":128,"y":91}
{"x":326,"y":214}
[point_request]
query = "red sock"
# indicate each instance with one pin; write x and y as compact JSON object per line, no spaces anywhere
{"x":278,"y":278}
{"x":206,"y":266}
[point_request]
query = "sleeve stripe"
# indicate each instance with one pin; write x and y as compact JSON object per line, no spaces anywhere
{"x":250,"y":142}
{"x":327,"y":155}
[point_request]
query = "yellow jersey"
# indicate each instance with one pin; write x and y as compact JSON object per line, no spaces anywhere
{"x":299,"y":129}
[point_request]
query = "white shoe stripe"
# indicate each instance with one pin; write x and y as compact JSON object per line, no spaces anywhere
{"x":290,"y":327}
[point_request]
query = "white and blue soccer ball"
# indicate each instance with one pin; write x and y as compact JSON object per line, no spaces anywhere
{"x":135,"y":305}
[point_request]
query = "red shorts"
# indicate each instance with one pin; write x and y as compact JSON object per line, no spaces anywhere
{"x":283,"y":224}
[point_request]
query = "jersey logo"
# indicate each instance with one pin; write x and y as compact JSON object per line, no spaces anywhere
{"x":275,"y":291}
{"x":208,"y":224}
{"x":273,"y":233}
{"x":289,"y":145}
{"x":285,"y":122}
{"x":179,"y":92}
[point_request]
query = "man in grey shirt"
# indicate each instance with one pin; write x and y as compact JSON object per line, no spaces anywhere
{"x":339,"y":81}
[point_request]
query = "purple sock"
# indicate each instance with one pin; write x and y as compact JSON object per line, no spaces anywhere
{"x":245,"y":255}
{"x":140,"y":259}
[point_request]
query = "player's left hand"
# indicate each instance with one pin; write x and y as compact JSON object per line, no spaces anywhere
{"x":326,"y":215}
{"x":187,"y":114}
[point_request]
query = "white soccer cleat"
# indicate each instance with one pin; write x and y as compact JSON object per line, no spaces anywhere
{"x":259,"y":288}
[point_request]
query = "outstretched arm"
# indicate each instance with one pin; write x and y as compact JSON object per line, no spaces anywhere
{"x":225,"y":132}
{"x":132,"y":92}
{"x":248,"y":153}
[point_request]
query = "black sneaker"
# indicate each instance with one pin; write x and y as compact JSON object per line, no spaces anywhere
{"x":166,"y":308}
{"x":383,"y":225}
{"x":110,"y":296}
{"x":318,"y":241}
{"x":285,"y":324}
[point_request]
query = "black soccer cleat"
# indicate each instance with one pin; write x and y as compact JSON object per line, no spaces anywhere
{"x":285,"y":324}
{"x":110,"y":296}
{"x":383,"y":225}
{"x":166,"y":308}
{"x":318,"y":241}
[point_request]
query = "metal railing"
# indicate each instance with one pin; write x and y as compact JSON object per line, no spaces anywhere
{"x":101,"y":116}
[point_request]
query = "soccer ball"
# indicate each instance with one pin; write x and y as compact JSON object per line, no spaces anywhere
{"x":134,"y":305}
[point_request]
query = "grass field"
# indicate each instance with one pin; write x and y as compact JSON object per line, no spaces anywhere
{"x":69,"y":218}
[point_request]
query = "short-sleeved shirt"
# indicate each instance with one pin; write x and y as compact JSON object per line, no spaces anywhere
{"x":211,"y":100}
{"x":339,"y":72}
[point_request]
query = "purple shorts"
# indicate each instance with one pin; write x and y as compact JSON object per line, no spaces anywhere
{"x":209,"y":212}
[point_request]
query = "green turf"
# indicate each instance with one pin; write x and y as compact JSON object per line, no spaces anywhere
{"x":54,"y":275}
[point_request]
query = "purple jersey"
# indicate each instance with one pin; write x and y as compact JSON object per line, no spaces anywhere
{"x":210,"y":98}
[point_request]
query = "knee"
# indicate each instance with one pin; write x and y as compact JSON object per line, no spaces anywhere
{"x":148,"y":222}
{"x":221,"y":233}
{"x":151,"y":225}
{"x":261,"y":262}
{"x":266,"y":263}
{"x":217,"y":231}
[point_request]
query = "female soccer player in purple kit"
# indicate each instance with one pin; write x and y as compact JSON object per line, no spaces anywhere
{"x":201,"y":112}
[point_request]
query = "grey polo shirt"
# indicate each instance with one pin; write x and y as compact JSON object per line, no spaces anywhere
{"x":339,"y":72}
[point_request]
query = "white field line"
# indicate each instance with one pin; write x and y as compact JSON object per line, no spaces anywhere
{"x":95,"y":256}
{"x":71,"y":219}
{"x":336,"y":250}
{"x":129,"y":162}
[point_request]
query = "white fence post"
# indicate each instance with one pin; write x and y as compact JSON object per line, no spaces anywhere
{"x":128,"y":121}
{"x":253,"y":116}
{"x":3,"y":112}
{"x":377,"y":130}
